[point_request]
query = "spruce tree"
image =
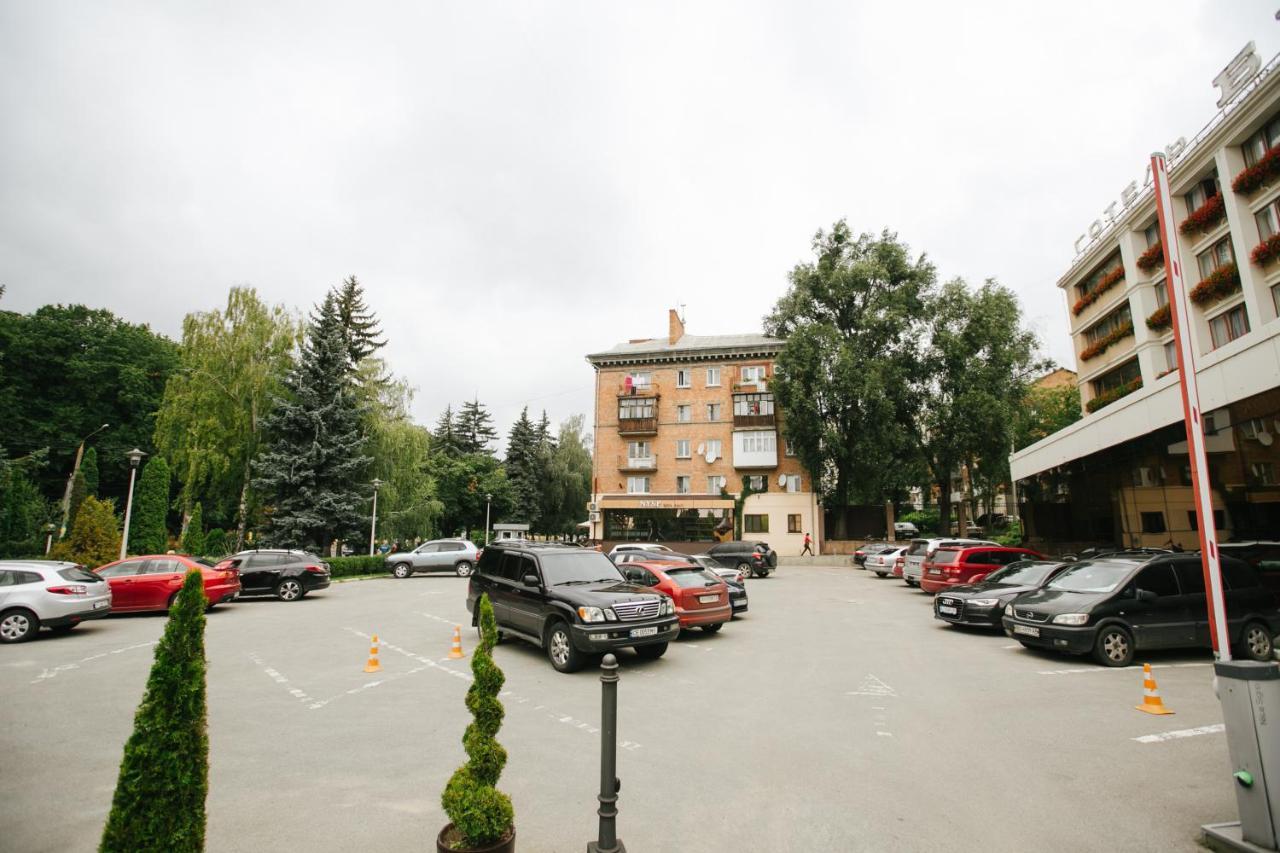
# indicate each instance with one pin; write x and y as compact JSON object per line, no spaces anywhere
{"x":475,"y":429}
{"x":215,"y":543}
{"x":311,"y":475}
{"x":159,"y":802}
{"x":79,"y":490}
{"x":524,"y":472}
{"x":193,"y":542}
{"x":361,"y":331}
{"x":89,"y":465}
{"x":148,"y":532}
{"x":445,"y":438}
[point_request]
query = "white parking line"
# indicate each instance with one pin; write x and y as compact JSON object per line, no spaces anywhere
{"x":1118,"y":668}
{"x":1216,"y":728}
{"x":47,"y":674}
{"x":872,"y":686}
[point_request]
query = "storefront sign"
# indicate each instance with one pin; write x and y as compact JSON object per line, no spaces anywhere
{"x":666,"y":503}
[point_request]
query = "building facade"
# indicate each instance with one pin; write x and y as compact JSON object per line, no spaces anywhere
{"x":1121,"y":475}
{"x":685,"y":426}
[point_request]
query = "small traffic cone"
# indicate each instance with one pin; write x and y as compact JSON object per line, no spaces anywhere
{"x":373,"y":665}
{"x":456,"y":651}
{"x":1151,"y":702}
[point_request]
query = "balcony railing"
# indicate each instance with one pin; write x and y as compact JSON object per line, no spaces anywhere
{"x":638,"y":463}
{"x":754,"y":420}
{"x":649,"y":389}
{"x":637,"y":426}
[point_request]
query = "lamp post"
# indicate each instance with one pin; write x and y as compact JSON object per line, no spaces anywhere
{"x":135,"y":458}
{"x":488,"y":500}
{"x":49,"y":530}
{"x":66,"y":495}
{"x":373,"y":528}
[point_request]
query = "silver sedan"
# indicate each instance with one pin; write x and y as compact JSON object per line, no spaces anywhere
{"x":58,"y":596}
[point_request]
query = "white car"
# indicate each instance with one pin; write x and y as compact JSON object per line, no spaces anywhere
{"x":882,"y":563}
{"x":58,"y":596}
{"x":638,"y":546}
{"x":922,"y":549}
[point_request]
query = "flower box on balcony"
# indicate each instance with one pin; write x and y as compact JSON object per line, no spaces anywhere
{"x":1105,"y":283}
{"x":1204,"y":217}
{"x":1217,"y":285}
{"x":1266,"y":251}
{"x":1160,"y":318}
{"x":1259,"y":174}
{"x":1106,"y":398}
{"x":1101,"y":345}
{"x":1153,"y":258}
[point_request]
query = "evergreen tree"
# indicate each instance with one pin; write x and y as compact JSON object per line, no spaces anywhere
{"x":22,"y":509}
{"x":148,"y":533}
{"x":215,"y":543}
{"x":193,"y":539}
{"x":524,"y":471}
{"x":89,"y":465}
{"x":445,"y":438}
{"x":361,"y":331}
{"x":312,"y":472}
{"x":79,"y":489}
{"x":95,"y":538}
{"x":475,"y":429}
{"x":159,"y":802}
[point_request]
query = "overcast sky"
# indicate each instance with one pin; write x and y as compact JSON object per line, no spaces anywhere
{"x":520,"y":184}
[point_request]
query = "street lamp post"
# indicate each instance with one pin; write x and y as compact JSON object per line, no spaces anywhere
{"x":373,"y":528}
{"x":488,"y":501}
{"x":71,"y":479}
{"x":135,"y":458}
{"x":49,"y":530}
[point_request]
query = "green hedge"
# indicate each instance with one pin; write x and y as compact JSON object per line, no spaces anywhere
{"x":343,"y":567}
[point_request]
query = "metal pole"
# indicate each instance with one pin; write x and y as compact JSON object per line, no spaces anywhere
{"x":607,"y":840}
{"x":373,"y":528}
{"x":487,"y":504}
{"x":128,"y":512}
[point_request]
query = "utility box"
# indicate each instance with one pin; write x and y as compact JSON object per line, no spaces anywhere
{"x":1250,"y":696}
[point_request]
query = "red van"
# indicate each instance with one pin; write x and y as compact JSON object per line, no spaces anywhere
{"x":968,"y":564}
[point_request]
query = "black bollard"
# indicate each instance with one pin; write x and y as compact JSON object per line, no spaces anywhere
{"x":608,"y":841}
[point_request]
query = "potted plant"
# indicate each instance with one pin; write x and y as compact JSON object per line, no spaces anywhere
{"x":481,"y":819}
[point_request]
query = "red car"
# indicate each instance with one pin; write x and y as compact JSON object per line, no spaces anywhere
{"x":961,"y":564}
{"x":151,"y":582}
{"x":701,"y":598}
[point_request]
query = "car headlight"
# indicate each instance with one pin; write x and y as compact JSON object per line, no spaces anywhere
{"x":591,"y":614}
{"x":1071,"y":619}
{"x":668,"y":607}
{"x":984,"y":602}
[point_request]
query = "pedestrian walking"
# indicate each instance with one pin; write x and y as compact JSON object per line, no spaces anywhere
{"x":808,"y":546}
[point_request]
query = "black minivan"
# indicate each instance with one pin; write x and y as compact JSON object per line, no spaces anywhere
{"x":1114,"y":606}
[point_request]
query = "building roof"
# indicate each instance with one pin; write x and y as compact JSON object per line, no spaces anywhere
{"x":660,"y":349}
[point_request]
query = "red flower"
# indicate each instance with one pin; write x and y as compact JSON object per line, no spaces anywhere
{"x":1266,"y":251}
{"x":1205,"y":216}
{"x":1152,"y":258}
{"x":1160,"y":318}
{"x":1266,"y":169}
{"x":1105,"y":283}
{"x":1101,"y":345}
{"x":1220,"y":283}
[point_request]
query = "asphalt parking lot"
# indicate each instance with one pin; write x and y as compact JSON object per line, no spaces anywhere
{"x":836,"y":715}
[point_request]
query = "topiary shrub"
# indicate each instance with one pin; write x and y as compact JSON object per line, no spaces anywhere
{"x":159,"y":803}
{"x":481,"y":814}
{"x":343,"y":567}
{"x":147,"y":531}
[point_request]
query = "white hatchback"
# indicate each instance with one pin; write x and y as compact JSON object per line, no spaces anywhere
{"x":58,"y":596}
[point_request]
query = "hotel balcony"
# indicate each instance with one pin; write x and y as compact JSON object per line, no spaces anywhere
{"x":643,"y":463}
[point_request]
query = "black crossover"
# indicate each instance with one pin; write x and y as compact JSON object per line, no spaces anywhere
{"x":571,"y":602}
{"x":288,"y":575}
{"x":982,"y":604}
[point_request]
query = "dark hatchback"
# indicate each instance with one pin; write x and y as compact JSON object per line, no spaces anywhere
{"x":733,"y":578}
{"x":288,"y":575}
{"x":570,"y":602}
{"x":982,"y":604}
{"x":1114,"y":606}
{"x":755,"y":558}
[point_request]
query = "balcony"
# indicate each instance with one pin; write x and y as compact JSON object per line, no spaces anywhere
{"x":754,"y":421}
{"x":643,"y":463}
{"x":755,"y":449}
{"x":649,"y":389}
{"x":638,"y":426}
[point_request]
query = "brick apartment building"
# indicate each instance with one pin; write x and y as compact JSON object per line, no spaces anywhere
{"x":685,"y":423}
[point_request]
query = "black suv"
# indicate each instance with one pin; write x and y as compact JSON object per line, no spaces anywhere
{"x":288,"y":575}
{"x":755,"y":558}
{"x":1112,"y":606}
{"x":572,"y":602}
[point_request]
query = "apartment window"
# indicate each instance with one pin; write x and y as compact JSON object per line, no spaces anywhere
{"x":637,"y":450}
{"x":682,"y":448}
{"x":714,"y":484}
{"x":752,"y":374}
{"x":1153,"y":522}
{"x":682,"y":485}
{"x":789,"y":447}
{"x":713,"y":411}
{"x":684,"y":378}
{"x":641,"y":380}
{"x":1170,"y":355}
{"x":1253,"y":427}
{"x":764,"y":441}
{"x":1219,"y":519}
{"x":793,"y":482}
{"x":637,"y":485}
{"x":1152,"y":233}
{"x":1214,"y":256}
{"x":793,"y":523}
{"x":1228,"y":326}
{"x":714,"y":449}
{"x":1262,"y":473}
{"x":1108,"y":324}
{"x":1122,"y":375}
{"x":755,"y":524}
{"x":1268,"y":220}
{"x":713,"y":377}
{"x":1202,"y":192}
{"x":1148,"y":476}
{"x":758,"y":483}
{"x":1267,"y":137}
{"x":684,"y":413}
{"x":1162,"y":294}
{"x":752,"y":404}
{"x":630,"y":408}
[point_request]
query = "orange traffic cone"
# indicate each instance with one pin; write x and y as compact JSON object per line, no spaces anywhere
{"x":1151,"y":702}
{"x":456,"y":651}
{"x":373,"y":665}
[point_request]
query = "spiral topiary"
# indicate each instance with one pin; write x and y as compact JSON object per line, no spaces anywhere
{"x":480,"y":812}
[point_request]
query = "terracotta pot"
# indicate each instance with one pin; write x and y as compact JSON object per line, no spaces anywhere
{"x":502,"y":845}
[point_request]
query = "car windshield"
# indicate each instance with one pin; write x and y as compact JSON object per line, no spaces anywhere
{"x":76,"y":573}
{"x":687,"y":578}
{"x":1020,"y":574}
{"x":579,"y":566}
{"x":942,"y":558}
{"x":1092,"y":577}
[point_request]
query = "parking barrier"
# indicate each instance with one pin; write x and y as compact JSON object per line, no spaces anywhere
{"x":456,"y":652}
{"x":1151,"y":701}
{"x":373,"y":665}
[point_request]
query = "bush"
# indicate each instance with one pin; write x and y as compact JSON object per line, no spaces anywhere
{"x":193,"y":540}
{"x":925,"y":520}
{"x":94,"y":539}
{"x":216,"y":544}
{"x":480,"y":812}
{"x":159,"y":802}
{"x":1012,"y":536}
{"x":147,"y":531}
{"x":343,"y":567}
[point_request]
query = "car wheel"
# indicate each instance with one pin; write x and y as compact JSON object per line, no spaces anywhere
{"x":882,"y":574}
{"x":289,"y":589}
{"x":1255,"y":642}
{"x":711,"y":629}
{"x":1113,"y":646}
{"x":560,"y":651}
{"x":463,"y":569}
{"x":401,"y":570}
{"x":18,"y":626}
{"x":652,"y":651}
{"x":745,"y":568}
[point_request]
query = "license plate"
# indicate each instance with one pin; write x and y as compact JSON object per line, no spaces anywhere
{"x":950,"y":611}
{"x":708,"y":599}
{"x":739,"y":604}
{"x":644,"y":632}
{"x":98,"y":605}
{"x":1026,"y":629}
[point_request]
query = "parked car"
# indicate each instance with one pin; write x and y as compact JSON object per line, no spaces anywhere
{"x":955,"y":565}
{"x":49,"y":594}
{"x":1112,"y":607}
{"x":983,"y":603}
{"x":883,"y":563}
{"x":152,"y":582}
{"x":1263,"y":556}
{"x":570,"y":602}
{"x":732,"y":577}
{"x":921,"y":550}
{"x":288,"y":575}
{"x":904,"y":530}
{"x":439,"y":555}
{"x":874,"y":547}
{"x":701,"y":598}
{"x":754,"y":558}
{"x":638,"y":546}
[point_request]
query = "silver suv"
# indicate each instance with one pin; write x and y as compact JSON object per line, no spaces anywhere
{"x":58,"y":596}
{"x":922,"y":549}
{"x":456,"y":555}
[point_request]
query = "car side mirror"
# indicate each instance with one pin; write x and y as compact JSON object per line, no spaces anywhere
{"x":530,"y":580}
{"x":1146,"y":595}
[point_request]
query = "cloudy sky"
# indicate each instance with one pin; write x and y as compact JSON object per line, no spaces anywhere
{"x":519,"y":184}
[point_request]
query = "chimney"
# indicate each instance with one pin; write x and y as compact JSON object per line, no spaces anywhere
{"x":675,"y":327}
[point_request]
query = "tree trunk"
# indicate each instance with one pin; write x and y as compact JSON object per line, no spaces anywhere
{"x":842,"y":492}
{"x":243,"y":511}
{"x":944,"y":504}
